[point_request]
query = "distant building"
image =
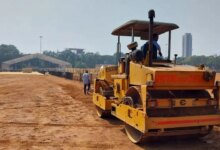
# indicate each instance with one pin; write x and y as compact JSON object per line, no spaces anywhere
{"x":187,"y":45}
{"x":77,"y":51}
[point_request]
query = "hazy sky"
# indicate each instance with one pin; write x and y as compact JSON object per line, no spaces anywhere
{"x":88,"y":23}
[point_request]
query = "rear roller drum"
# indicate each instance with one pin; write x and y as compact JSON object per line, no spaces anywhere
{"x":133,"y":134}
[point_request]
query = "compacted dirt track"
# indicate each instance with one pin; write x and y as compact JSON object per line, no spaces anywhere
{"x":47,"y":112}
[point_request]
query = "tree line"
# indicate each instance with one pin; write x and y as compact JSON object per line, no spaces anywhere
{"x":84,"y":60}
{"x":213,"y":62}
{"x":91,"y":60}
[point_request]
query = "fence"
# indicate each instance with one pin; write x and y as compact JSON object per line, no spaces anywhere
{"x":71,"y":73}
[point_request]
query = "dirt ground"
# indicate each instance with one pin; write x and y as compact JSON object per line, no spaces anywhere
{"x":47,"y":112}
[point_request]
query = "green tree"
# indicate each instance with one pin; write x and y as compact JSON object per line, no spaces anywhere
{"x":8,"y":52}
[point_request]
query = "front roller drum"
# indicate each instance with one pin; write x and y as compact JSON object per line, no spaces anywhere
{"x":133,"y":134}
{"x":102,"y":113}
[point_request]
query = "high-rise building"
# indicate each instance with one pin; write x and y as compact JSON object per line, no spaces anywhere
{"x":187,"y":45}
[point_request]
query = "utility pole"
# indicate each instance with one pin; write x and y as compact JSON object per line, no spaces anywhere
{"x":41,"y":44}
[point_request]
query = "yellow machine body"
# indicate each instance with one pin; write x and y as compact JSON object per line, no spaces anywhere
{"x":163,"y":99}
{"x":156,"y":79}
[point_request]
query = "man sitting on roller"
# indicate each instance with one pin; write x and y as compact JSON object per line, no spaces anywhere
{"x":155,"y":47}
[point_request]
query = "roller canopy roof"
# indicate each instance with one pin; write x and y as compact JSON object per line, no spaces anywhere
{"x":141,"y":28}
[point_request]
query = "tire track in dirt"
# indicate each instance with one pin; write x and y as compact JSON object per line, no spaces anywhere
{"x":32,"y":124}
{"x":58,"y":115}
{"x":86,"y":144}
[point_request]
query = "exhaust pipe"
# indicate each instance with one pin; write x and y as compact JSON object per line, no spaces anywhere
{"x":151,"y":15}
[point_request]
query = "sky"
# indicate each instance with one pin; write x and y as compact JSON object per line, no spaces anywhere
{"x":88,"y":24}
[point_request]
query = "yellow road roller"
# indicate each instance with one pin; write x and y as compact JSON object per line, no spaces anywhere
{"x":156,"y":96}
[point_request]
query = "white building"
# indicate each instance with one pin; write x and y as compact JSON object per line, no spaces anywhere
{"x":187,"y":45}
{"x":77,"y":51}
